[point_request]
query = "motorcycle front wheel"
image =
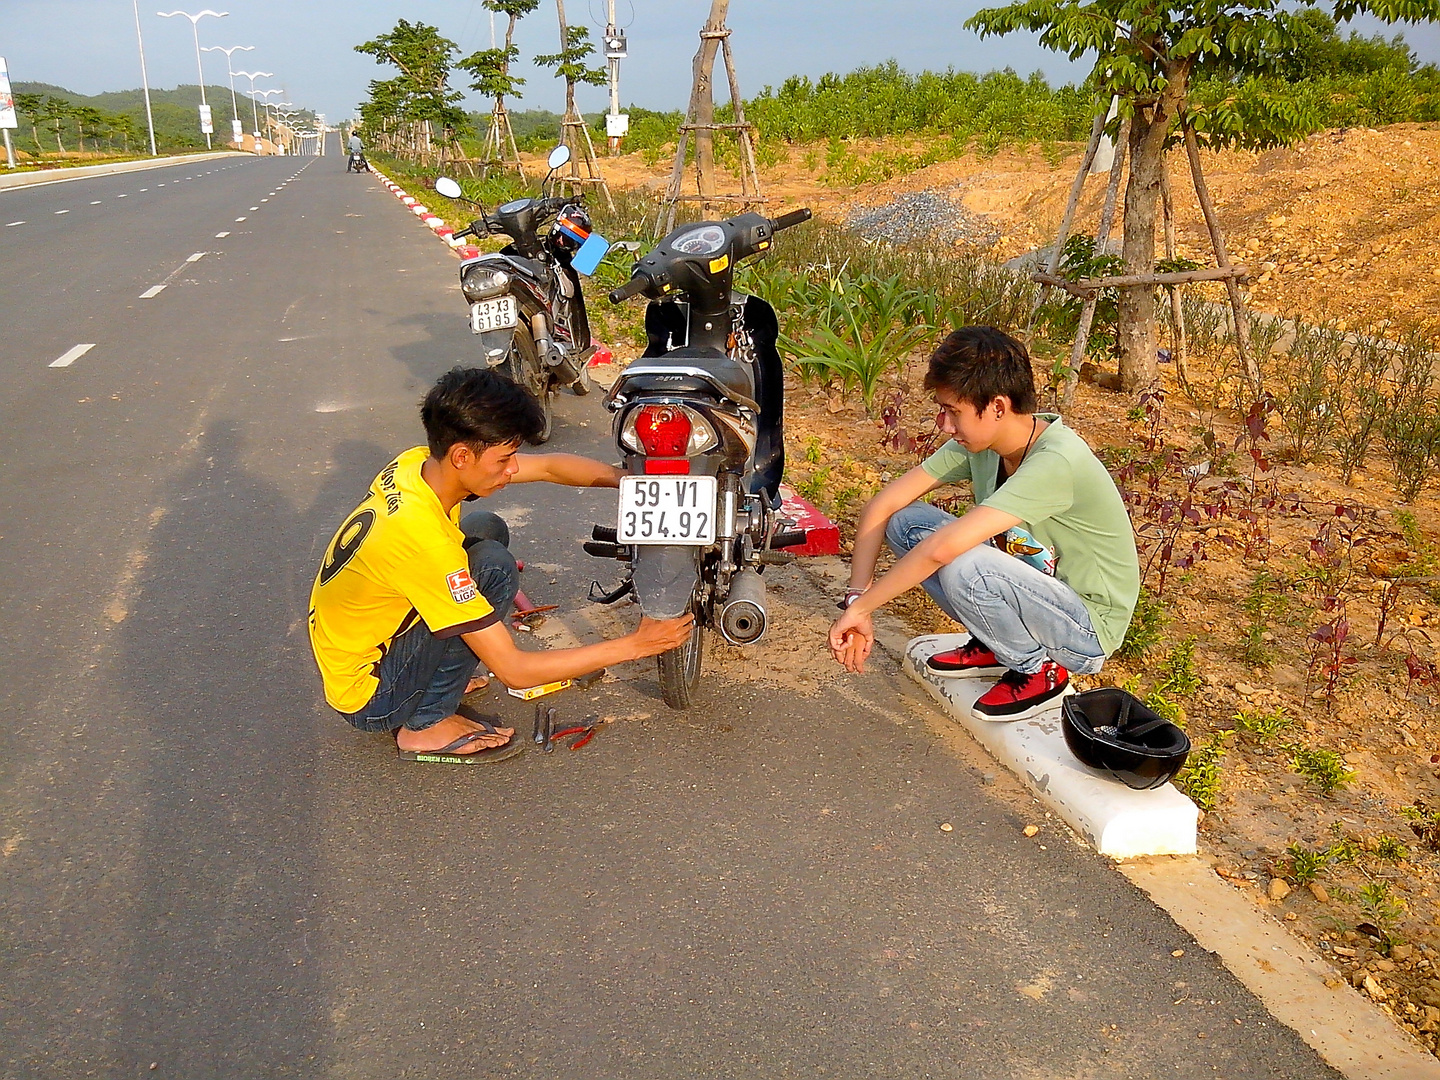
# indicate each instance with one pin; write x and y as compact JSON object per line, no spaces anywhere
{"x":524,"y":366}
{"x":680,"y":669}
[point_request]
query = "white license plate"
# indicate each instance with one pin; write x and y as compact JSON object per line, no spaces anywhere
{"x":497,"y":314}
{"x":667,"y":510}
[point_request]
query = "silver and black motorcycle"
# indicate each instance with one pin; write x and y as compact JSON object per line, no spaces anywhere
{"x":698,"y":422}
{"x":526,"y":304}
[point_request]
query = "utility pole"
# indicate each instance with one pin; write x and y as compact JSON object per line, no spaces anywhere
{"x":145,"y":80}
{"x":617,"y":124}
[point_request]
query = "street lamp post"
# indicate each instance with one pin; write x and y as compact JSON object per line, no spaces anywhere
{"x":269,"y":119}
{"x":254,"y":111}
{"x":194,"y":27}
{"x":235,"y":124}
{"x":145,"y":80}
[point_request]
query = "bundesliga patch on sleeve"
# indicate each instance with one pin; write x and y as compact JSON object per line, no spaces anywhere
{"x":462,"y":586}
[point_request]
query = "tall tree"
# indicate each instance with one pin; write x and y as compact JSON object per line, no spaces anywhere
{"x":1149,"y":54}
{"x":420,"y":96}
{"x":32,"y":107}
{"x":491,"y":67}
{"x":569,"y":62}
{"x":54,"y":111}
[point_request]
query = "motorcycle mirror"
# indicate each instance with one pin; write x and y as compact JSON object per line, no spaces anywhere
{"x":559,"y":156}
{"x":447,"y":187}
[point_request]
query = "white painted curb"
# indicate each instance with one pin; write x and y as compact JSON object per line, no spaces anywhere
{"x":435,"y":224}
{"x":1115,"y":820}
{"x":39,"y":177}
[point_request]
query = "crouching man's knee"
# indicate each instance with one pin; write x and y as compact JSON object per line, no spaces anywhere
{"x":495,"y":573}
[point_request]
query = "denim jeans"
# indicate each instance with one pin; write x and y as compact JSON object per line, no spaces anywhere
{"x":422,"y":677}
{"x":1023,"y":615}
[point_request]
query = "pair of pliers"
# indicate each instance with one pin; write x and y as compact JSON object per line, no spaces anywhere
{"x":586,"y":732}
{"x":546,"y":735}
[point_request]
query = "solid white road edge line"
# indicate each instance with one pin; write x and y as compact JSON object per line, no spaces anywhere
{"x":72,"y":355}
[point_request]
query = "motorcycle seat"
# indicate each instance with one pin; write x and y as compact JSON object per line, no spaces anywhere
{"x":691,"y":370}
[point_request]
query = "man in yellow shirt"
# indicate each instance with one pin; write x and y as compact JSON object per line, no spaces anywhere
{"x":410,"y":597}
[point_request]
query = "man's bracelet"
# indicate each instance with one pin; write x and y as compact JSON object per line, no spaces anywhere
{"x":849,"y":598}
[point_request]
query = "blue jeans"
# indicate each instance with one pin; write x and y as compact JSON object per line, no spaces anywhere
{"x":1025,"y":616}
{"x":422,"y":677}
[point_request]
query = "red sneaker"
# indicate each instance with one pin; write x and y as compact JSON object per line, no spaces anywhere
{"x":972,"y":660}
{"x":1018,"y":696}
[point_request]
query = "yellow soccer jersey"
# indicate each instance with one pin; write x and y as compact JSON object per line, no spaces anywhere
{"x":398,"y":558}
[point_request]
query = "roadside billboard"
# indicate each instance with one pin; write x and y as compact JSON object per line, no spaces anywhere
{"x":8,"y":119}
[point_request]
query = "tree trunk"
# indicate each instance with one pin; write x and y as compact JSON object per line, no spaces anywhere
{"x":702,"y":99}
{"x":1136,"y":331}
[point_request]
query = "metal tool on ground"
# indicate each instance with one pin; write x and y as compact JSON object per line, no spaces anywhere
{"x":546,"y":736}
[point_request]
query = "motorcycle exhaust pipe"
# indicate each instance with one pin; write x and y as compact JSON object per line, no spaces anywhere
{"x":743,"y":619}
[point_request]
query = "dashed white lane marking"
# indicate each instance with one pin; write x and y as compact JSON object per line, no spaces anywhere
{"x":12,"y":224}
{"x":253,"y":208}
{"x":71,"y":355}
{"x":94,"y":202}
{"x":196,"y":257}
{"x":239,"y":219}
{"x":221,"y":235}
{"x":152,"y":292}
{"x":58,"y":212}
{"x":122,"y":196}
{"x":263,"y":201}
{"x":144,"y":189}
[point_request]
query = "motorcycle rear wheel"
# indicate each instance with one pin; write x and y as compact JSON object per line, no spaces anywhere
{"x":680,"y":670}
{"x":524,"y":366}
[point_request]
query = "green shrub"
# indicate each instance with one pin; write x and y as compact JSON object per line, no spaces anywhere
{"x":1264,"y":724}
{"x":1306,"y":865}
{"x":1200,"y":779}
{"x":1323,"y":768}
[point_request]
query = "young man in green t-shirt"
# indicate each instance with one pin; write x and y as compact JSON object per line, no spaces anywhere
{"x":1042,"y":570}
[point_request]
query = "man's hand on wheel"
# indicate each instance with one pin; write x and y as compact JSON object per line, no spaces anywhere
{"x":656,"y":636}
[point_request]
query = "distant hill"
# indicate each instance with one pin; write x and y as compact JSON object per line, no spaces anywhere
{"x":176,"y":113}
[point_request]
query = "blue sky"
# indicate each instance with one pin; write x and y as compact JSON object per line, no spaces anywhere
{"x":89,"y":45}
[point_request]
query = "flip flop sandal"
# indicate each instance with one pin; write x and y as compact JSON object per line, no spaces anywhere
{"x":446,"y":756}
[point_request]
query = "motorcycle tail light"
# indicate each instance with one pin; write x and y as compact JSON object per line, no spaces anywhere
{"x":667,"y":431}
{"x":667,"y":466}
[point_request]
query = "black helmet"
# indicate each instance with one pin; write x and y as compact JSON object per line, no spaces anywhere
{"x":572,"y":228}
{"x":1112,"y":731}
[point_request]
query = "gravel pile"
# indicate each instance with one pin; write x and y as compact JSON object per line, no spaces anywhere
{"x":923,"y":216}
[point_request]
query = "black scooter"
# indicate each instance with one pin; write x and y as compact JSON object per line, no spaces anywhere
{"x":526,"y":304}
{"x":699,"y":424}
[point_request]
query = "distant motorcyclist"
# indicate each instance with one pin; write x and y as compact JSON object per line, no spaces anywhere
{"x":356,"y":161}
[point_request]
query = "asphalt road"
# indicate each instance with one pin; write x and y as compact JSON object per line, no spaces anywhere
{"x":204,"y":873}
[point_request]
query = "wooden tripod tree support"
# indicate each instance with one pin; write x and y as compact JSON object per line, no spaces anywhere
{"x":1089,"y":288}
{"x":700,"y":119}
{"x":576,"y":135}
{"x":500,"y":148}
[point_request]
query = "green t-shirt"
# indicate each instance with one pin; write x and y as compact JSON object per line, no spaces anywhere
{"x":1065,"y":498}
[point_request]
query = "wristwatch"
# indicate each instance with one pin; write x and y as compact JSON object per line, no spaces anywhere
{"x":849,"y":598}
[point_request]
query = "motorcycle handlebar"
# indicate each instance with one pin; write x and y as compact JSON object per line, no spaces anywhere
{"x":795,"y":217}
{"x":634,"y":287}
